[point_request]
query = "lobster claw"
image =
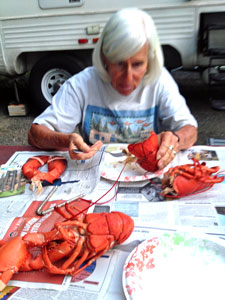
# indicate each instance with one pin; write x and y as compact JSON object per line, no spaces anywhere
{"x":146,"y":152}
{"x":11,"y":263}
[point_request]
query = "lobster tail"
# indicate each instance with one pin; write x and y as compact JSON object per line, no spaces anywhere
{"x":127,"y":227}
{"x":116,"y":224}
{"x":30,"y":168}
{"x":56,"y":166}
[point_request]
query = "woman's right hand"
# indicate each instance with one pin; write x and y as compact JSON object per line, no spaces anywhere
{"x":77,"y":142}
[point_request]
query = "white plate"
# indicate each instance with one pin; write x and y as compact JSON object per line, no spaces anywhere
{"x":176,"y":266}
{"x":112,"y":167}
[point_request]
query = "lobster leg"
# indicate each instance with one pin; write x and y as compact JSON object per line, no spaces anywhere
{"x":5,"y":277}
{"x":90,"y":261}
{"x":52,"y":268}
{"x":62,"y":212}
{"x":64,"y":232}
{"x":75,"y":254}
{"x":64,"y":269}
{"x":41,"y":238}
{"x":102,"y":246}
{"x":79,"y":262}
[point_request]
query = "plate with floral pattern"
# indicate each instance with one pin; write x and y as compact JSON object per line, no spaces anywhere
{"x":176,"y":266}
{"x":112,"y":167}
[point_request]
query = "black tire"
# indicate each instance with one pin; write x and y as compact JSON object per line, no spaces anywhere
{"x":48,"y":74}
{"x":172,"y":58}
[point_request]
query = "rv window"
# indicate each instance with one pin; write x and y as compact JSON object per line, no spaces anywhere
{"x":59,"y":4}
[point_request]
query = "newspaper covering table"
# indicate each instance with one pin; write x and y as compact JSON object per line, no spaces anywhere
{"x":152,"y":214}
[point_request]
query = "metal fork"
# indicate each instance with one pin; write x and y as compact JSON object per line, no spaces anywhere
{"x":117,"y":154}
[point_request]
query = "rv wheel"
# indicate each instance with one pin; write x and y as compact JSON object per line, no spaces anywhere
{"x":48,"y":75}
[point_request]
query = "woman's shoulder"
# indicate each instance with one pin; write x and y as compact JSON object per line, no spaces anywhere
{"x":85,"y":82}
{"x":166,"y":79}
{"x":86,"y":75}
{"x":165,"y":74}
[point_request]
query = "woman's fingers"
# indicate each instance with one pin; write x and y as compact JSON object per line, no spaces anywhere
{"x":77,"y":142}
{"x":168,"y":148}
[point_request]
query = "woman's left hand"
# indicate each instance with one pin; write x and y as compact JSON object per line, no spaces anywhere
{"x":168,"y":148}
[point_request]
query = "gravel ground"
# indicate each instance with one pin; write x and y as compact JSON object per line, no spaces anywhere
{"x":211,"y":122}
{"x":13,"y":130}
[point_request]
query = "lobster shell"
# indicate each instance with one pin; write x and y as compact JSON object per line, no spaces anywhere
{"x":56,"y":166}
{"x":189,"y":179}
{"x":78,"y":240}
{"x":146,"y":152}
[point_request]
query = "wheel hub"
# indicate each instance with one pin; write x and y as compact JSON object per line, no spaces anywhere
{"x":52,"y":81}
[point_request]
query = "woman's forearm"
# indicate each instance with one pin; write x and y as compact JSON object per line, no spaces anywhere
{"x":44,"y":138}
{"x":188,"y":136}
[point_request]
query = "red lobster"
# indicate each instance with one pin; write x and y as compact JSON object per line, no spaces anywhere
{"x":189,"y":179}
{"x":56,"y":166}
{"x":72,"y":243}
{"x":146,"y":152}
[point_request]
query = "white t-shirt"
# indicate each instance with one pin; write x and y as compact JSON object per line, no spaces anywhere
{"x":104,"y":114}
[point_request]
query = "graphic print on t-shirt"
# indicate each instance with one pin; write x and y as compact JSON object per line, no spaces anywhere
{"x":124,"y":126}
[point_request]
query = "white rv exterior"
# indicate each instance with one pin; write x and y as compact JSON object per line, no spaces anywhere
{"x":54,"y":38}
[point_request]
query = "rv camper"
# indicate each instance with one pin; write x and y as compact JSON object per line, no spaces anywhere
{"x":54,"y":39}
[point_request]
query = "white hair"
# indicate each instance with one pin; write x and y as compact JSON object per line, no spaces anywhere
{"x":125,"y":33}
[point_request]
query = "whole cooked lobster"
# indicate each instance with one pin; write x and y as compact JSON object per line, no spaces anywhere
{"x":70,"y":243}
{"x":189,"y":179}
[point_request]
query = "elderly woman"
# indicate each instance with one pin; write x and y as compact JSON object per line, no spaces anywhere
{"x":125,"y":95}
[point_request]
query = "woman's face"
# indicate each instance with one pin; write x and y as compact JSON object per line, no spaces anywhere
{"x":126,"y":75}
